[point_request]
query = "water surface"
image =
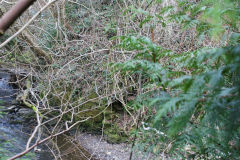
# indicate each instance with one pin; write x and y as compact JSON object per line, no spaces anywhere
{"x":13,"y":135}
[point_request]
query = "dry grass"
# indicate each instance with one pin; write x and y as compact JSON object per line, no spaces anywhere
{"x":76,"y":34}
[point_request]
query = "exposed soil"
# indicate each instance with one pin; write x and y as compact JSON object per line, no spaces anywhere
{"x":99,"y":148}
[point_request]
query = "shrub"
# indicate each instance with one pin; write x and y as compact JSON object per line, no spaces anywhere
{"x":193,"y":98}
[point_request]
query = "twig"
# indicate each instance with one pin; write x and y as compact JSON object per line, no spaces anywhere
{"x":44,"y":140}
{"x":27,"y":24}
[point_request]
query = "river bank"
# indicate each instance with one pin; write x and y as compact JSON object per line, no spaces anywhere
{"x":16,"y":127}
{"x":101,"y":149}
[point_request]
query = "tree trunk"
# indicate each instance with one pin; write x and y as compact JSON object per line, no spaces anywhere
{"x":16,"y":11}
{"x":36,"y":50}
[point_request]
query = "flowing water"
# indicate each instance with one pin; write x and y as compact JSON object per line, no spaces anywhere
{"x":13,"y":136}
{"x":6,"y":91}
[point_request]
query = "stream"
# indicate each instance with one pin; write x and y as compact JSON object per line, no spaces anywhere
{"x":15,"y":130}
{"x":13,"y":135}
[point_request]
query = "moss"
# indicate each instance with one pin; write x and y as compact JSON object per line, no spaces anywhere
{"x":96,"y":118}
{"x":60,"y":95}
{"x":106,"y":117}
{"x":114,"y":134}
{"x":91,"y":126}
{"x":92,"y":109}
{"x":92,"y":95}
{"x":100,"y":117}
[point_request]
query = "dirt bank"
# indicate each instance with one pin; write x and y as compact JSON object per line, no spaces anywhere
{"x":98,"y":147}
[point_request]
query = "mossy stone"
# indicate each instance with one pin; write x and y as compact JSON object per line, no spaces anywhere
{"x":92,"y":109}
{"x":114,"y":134}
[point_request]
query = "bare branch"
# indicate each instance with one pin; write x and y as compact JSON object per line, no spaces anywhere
{"x":44,"y":140}
{"x":27,"y":24}
{"x":16,"y":11}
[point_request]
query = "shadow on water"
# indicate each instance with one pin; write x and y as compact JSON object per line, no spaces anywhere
{"x":69,"y":149}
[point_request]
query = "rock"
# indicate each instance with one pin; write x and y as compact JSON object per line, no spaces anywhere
{"x":114,"y":134}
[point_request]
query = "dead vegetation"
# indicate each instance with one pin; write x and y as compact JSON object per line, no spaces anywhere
{"x":69,"y":47}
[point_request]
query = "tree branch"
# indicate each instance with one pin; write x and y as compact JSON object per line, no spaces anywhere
{"x":16,"y":11}
{"x":27,"y":24}
{"x":44,"y":140}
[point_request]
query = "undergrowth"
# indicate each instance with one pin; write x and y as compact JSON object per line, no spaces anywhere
{"x":175,"y":69}
{"x":191,"y":100}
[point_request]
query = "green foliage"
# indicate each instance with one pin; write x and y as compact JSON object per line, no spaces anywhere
{"x":197,"y":100}
{"x":209,"y":17}
{"x":110,"y":30}
{"x":208,"y":103}
{"x":147,"y":19}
